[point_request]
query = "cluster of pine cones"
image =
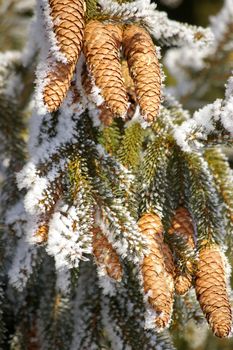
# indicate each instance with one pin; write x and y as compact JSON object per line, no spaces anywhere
{"x":120,"y":61}
{"x":163,"y":275}
{"x":113,"y":50}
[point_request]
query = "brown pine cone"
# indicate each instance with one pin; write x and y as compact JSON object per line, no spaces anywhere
{"x":105,"y":255}
{"x":41,"y":233}
{"x":157,"y":270}
{"x":169,"y":275}
{"x":151,"y":226}
{"x":101,"y":47}
{"x":183,"y":282}
{"x":59,"y":79}
{"x":182,"y":226}
{"x":211,"y":290}
{"x":144,"y":69}
{"x":68,"y":26}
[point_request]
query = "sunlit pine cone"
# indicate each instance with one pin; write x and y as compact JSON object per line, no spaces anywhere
{"x":41,"y":233}
{"x":144,"y":69}
{"x":68,"y":25}
{"x":154,"y":270}
{"x":58,"y":82}
{"x":105,"y":255}
{"x":182,"y":225}
{"x":211,"y":290}
{"x":169,"y":275}
{"x":101,"y":47}
{"x":183,"y":282}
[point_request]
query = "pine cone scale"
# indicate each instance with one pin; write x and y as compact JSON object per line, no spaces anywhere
{"x":211,"y":291}
{"x":182,"y":226}
{"x":68,"y":22}
{"x":144,"y":70}
{"x":157,"y":270}
{"x":101,"y":48}
{"x":105,"y":255}
{"x":59,"y":79}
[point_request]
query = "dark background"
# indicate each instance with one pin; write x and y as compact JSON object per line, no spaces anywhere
{"x":193,"y":11}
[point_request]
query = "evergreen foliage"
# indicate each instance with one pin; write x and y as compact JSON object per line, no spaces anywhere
{"x":102,"y":212}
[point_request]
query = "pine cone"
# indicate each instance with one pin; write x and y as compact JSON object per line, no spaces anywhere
{"x":169,"y":275}
{"x":101,"y":48}
{"x":151,"y":226}
{"x":144,"y":69}
{"x":59,"y":79}
{"x":68,"y":26}
{"x":105,"y":255}
{"x":183,"y":282}
{"x":211,"y":290}
{"x":41,"y":233}
{"x":157,"y":270}
{"x":182,"y":226}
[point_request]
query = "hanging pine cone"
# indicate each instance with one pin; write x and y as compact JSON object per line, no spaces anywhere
{"x":41,"y":233}
{"x":183,"y":282}
{"x":182,"y":227}
{"x":59,"y":79}
{"x":68,"y":26}
{"x":101,"y":48}
{"x":157,"y":270}
{"x":169,"y":275}
{"x":144,"y":69}
{"x":182,"y":224}
{"x":105,"y":255}
{"x":211,"y":290}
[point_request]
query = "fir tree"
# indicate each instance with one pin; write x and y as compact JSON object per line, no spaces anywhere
{"x":116,"y":192}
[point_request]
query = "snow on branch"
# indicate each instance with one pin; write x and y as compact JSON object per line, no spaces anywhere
{"x":166,"y":31}
{"x":220,"y":23}
{"x":205,"y":119}
{"x":44,"y":13}
{"x":226,"y":114}
{"x":180,"y":61}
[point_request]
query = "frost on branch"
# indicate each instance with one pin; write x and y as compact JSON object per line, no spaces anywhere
{"x":111,"y":211}
{"x":212,"y":120}
{"x":166,"y":31}
{"x":192,"y":74}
